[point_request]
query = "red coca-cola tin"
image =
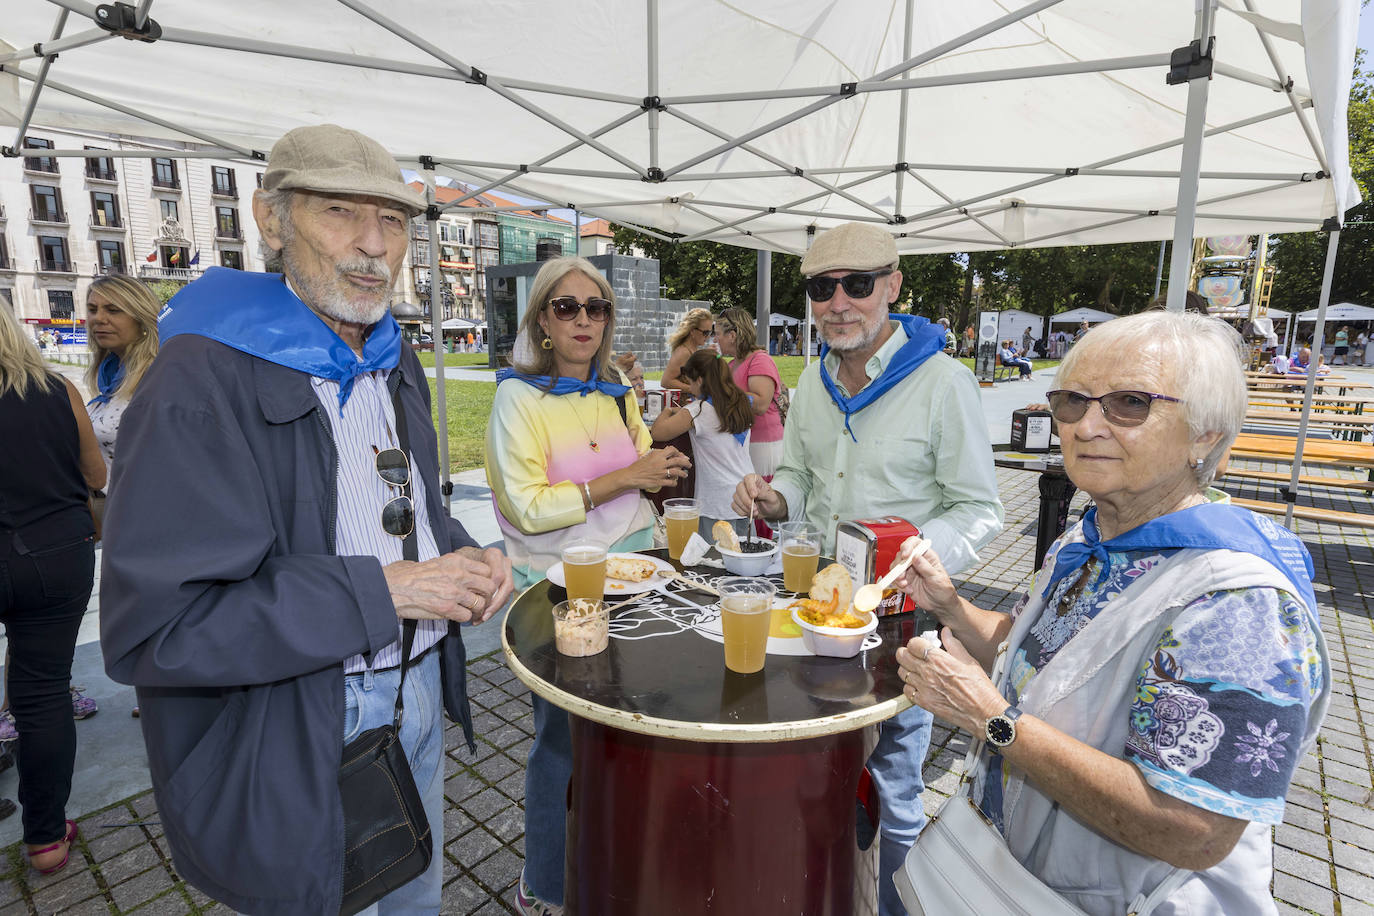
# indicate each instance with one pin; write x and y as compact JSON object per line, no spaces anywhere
{"x":867,"y":547}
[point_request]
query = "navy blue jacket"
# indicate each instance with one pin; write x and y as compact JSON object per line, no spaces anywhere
{"x":223,"y":603}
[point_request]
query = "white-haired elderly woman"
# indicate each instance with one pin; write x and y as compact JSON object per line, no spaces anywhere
{"x":567,"y":456}
{"x":1166,"y":671}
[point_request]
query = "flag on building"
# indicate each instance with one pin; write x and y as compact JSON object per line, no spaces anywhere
{"x":195,"y":258}
{"x":175,"y":258}
{"x":152,"y":257}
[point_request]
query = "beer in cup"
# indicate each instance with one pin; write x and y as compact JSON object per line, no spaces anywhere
{"x":801,"y":553}
{"x":681,"y":517}
{"x":584,"y":569}
{"x":746,"y":608}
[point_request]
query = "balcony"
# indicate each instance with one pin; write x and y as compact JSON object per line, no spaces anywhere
{"x":99,"y":220}
{"x":49,"y":217}
{"x":220,"y":190}
{"x":163,"y":183}
{"x":155,"y":272}
{"x":99,"y":173}
{"x":53,"y":266}
{"x":6,"y":264}
{"x":229,"y":233}
{"x":46,"y":165}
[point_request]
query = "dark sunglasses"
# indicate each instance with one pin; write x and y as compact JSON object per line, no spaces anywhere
{"x":398,"y":515}
{"x":856,"y":286}
{"x":565,"y":308}
{"x":1121,"y":408}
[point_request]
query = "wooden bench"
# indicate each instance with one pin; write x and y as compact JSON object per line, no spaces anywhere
{"x":1003,"y":373}
{"x":1308,"y":513}
{"x":1309,"y":480}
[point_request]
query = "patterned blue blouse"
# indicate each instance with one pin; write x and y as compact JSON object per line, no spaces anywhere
{"x":1221,"y":703}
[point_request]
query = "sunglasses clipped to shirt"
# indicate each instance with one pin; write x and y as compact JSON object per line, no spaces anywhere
{"x":398,"y":515}
{"x":1121,"y":408}
{"x":856,"y":286}
{"x":565,"y":308}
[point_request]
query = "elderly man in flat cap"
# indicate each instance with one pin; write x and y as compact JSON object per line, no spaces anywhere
{"x":884,"y":424}
{"x":278,"y":518}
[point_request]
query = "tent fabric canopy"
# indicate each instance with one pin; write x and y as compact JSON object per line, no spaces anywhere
{"x":1074,"y":316}
{"x":963,"y":126}
{"x":1345,"y":311}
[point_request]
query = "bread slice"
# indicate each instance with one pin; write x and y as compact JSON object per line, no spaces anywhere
{"x":825,"y":582}
{"x":629,"y":569}
{"x":724,"y":534}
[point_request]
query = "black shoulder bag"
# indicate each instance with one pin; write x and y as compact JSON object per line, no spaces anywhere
{"x":387,"y":838}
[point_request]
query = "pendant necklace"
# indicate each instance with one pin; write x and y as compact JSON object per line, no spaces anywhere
{"x":591,"y":439}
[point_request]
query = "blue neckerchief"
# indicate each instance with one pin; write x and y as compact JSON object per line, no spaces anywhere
{"x":108,"y":378}
{"x":565,"y":385}
{"x":1209,"y":526}
{"x":258,"y":314}
{"x":924,"y":340}
{"x":739,"y":437}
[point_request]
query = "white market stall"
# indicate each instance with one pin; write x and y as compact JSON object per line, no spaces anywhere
{"x":1345,"y":311}
{"x":961,"y":127}
{"x":1012,"y":323}
{"x":1077,"y":316}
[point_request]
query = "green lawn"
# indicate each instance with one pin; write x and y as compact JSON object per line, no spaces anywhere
{"x":454,"y":359}
{"x":469,"y":406}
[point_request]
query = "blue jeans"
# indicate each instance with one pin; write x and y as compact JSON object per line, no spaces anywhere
{"x":369,"y":701}
{"x":546,"y":801}
{"x":895,"y":766}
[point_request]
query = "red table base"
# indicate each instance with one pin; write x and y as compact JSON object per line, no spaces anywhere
{"x":659,"y":825}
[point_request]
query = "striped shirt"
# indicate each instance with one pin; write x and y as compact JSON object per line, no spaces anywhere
{"x":368,"y":420}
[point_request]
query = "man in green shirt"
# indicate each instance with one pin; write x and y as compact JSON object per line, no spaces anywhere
{"x":884,"y":424}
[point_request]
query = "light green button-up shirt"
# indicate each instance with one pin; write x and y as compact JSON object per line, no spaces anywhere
{"x":922,"y":454}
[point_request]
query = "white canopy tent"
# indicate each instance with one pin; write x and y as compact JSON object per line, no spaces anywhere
{"x":961,"y":126}
{"x":1079,"y":315}
{"x":777,"y":320}
{"x":1345,"y":311}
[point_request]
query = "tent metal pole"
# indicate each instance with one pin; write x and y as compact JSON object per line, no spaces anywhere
{"x":1242,"y":75}
{"x":1142,"y":62}
{"x":902,"y":116}
{"x":943,"y":196}
{"x":1290,"y":91}
{"x":50,"y":48}
{"x":806,"y":322}
{"x":1195,"y":125}
{"x":1313,"y":222}
{"x":793,"y":203}
{"x":763,"y":290}
{"x":988,"y":28}
{"x":141,"y":14}
{"x":1159,"y":268}
{"x":491,"y":82}
{"x":1291,"y":494}
{"x":135,"y":154}
{"x":436,"y":324}
{"x":651,"y":39}
{"x":23,"y":127}
{"x":801,"y":173}
{"x":135,"y":113}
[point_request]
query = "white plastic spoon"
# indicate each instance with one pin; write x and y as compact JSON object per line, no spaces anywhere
{"x":868,"y":597}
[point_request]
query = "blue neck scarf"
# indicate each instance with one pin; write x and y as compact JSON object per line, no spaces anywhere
{"x":924,"y":340}
{"x":258,"y":314}
{"x":108,"y":378}
{"x":565,"y":385}
{"x":1209,"y":526}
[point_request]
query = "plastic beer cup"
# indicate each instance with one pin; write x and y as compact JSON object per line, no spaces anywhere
{"x":801,"y":554}
{"x":746,"y":609}
{"x":584,"y":569}
{"x":681,"y":517}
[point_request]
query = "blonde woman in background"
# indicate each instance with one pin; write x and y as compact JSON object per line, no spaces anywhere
{"x":691,"y":335}
{"x":121,"y":317}
{"x":122,"y":321}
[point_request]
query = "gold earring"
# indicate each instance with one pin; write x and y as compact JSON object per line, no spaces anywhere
{"x":546,"y":343}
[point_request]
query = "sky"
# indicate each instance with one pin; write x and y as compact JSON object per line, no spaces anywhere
{"x":1366,"y":39}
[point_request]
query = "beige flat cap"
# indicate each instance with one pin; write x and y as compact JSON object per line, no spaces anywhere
{"x":335,"y":160}
{"x":850,"y":246}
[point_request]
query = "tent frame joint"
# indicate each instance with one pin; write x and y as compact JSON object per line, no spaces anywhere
{"x":848,"y":89}
{"x":477,"y":76}
{"x":1189,"y":63}
{"x":427,"y":163}
{"x":653,"y":103}
{"x":9,"y":152}
{"x":432,"y":213}
{"x":122,"y":19}
{"x":1331,"y":224}
{"x":653,"y":175}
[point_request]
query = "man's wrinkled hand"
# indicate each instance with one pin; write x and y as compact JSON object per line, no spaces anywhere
{"x":468,"y":585}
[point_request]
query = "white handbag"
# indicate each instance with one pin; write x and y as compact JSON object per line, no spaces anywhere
{"x":960,"y":865}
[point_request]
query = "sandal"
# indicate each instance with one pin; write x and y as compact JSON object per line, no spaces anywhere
{"x":66,"y":841}
{"x":83,"y":707}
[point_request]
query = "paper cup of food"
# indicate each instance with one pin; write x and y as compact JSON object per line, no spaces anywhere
{"x":752,"y":558}
{"x":581,"y":627}
{"x":836,"y":635}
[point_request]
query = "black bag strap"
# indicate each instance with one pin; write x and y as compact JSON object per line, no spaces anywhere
{"x":410,"y":550}
{"x":624,"y":414}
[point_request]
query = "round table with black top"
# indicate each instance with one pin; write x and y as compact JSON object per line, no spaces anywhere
{"x":698,"y":790}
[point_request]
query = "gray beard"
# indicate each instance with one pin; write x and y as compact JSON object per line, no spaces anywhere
{"x":320,"y":297}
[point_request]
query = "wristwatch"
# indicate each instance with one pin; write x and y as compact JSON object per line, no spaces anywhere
{"x":1001,"y":730}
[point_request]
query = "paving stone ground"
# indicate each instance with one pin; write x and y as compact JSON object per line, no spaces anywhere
{"x":1323,"y":855}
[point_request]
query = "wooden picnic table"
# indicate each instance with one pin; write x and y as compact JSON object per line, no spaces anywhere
{"x":1347,"y":425}
{"x":1270,"y":398}
{"x":1262,"y":381}
{"x":1283,"y":449}
{"x":1314,"y":451}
